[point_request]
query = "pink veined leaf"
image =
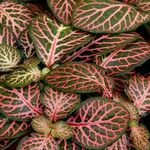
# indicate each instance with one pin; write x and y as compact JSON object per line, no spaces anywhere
{"x":107,"y":16}
{"x":139,"y":92}
{"x":99,"y":122}
{"x":62,"y":9}
{"x":132,"y":2}
{"x":69,"y":145}
{"x":15,"y":16}
{"x":6,"y":143}
{"x":7,"y":36}
{"x":121,"y":144}
{"x":78,"y":77}
{"x":21,"y":103}
{"x":59,"y":105}
{"x":12,"y":129}
{"x":27,"y":44}
{"x":102,"y":44}
{"x":53,"y":41}
{"x":124,"y":60}
{"x":38,"y":142}
{"x":144,"y":5}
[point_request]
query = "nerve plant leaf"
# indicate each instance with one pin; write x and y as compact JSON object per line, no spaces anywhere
{"x":38,"y":142}
{"x":107,"y":16}
{"x":52,"y":41}
{"x":21,"y":77}
{"x":22,"y":103}
{"x":99,"y":122}
{"x":125,"y":59}
{"x":139,"y":92}
{"x":62,"y":130}
{"x":121,"y":144}
{"x":58,"y":104}
{"x":4,"y":144}
{"x":41,"y":125}
{"x":15,"y":16}
{"x":9,"y":57}
{"x":7,"y":37}
{"x":26,"y":44}
{"x":144,"y":5}
{"x":77,"y":77}
{"x":12,"y":129}
{"x":62,"y":9}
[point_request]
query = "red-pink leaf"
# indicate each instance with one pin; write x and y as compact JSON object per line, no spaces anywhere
{"x":125,"y":59}
{"x":62,"y":9}
{"x":139,"y":92}
{"x":107,"y":16}
{"x":7,"y":37}
{"x":38,"y":142}
{"x":58,"y":104}
{"x":12,"y":129}
{"x":27,"y":44}
{"x":15,"y":16}
{"x":21,"y":103}
{"x":121,"y":144}
{"x":53,"y":41}
{"x":78,"y":77}
{"x":99,"y":122}
{"x":102,"y":44}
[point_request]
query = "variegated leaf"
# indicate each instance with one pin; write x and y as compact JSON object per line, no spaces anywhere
{"x":62,"y":9}
{"x":22,"y":103}
{"x":9,"y":57}
{"x":125,"y":59}
{"x":69,"y":145}
{"x":58,"y":104}
{"x":21,"y":77}
{"x":27,"y":44}
{"x":102,"y":44}
{"x":121,"y":144}
{"x":144,"y":5}
{"x":139,"y":92}
{"x":41,"y":125}
{"x":78,"y":77}
{"x":107,"y":16}
{"x":15,"y":16}
{"x":99,"y":122}
{"x":52,"y":40}
{"x":11,"y":129}
{"x":4,"y":144}
{"x":7,"y":37}
{"x":38,"y":142}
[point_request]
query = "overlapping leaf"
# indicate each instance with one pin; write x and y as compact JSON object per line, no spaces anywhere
{"x":107,"y":16}
{"x":26,"y":44}
{"x":78,"y":77}
{"x":69,"y":145}
{"x":125,"y":59}
{"x":121,"y":144}
{"x":102,"y":44}
{"x":21,"y":77}
{"x":11,"y":129}
{"x":139,"y":92}
{"x":38,"y":142}
{"x":59,"y":104}
{"x":22,"y":103}
{"x":7,"y":37}
{"x":62,"y":9}
{"x":4,"y":144}
{"x":144,"y":5}
{"x":52,"y":41}
{"x":9,"y":57}
{"x":99,"y":122}
{"x":15,"y":16}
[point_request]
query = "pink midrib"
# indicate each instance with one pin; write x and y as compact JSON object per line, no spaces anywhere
{"x":27,"y":103}
{"x":51,"y":54}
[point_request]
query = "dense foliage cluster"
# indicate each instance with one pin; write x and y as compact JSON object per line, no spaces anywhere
{"x":68,"y":78}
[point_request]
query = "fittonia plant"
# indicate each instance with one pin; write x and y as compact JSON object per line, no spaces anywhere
{"x":68,"y":77}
